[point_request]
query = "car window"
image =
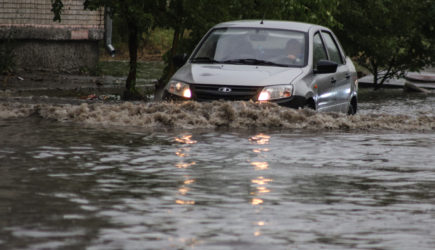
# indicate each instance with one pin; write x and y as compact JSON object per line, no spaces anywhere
{"x":331,"y":46}
{"x":233,"y":45}
{"x":319,"y":52}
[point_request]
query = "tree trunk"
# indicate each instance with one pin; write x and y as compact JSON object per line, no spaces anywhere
{"x":178,"y":8}
{"x":177,"y":37}
{"x":375,"y":72}
{"x":170,"y":68}
{"x":375,"y":79}
{"x":130,"y":92}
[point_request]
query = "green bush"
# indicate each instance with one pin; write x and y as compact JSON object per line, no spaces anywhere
{"x":158,"y":41}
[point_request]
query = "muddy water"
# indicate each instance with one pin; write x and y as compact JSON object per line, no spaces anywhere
{"x":217,"y":176}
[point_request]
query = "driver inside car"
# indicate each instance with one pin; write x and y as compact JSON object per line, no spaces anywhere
{"x":294,"y":51}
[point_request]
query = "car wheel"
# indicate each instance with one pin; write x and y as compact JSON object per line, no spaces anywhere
{"x":310,"y":104}
{"x":353,"y":105}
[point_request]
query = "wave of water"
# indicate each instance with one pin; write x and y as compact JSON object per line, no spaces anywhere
{"x":194,"y":115}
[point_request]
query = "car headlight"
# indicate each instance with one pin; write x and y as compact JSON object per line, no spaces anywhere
{"x":179,"y":88}
{"x":275,"y":92}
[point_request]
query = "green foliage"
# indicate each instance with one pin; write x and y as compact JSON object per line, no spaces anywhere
{"x":146,"y":70}
{"x":311,"y":11}
{"x":57,"y":6}
{"x":390,"y":36}
{"x":159,"y":40}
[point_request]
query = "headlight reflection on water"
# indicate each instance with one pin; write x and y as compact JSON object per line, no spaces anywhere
{"x":256,"y":201}
{"x":260,"y":139}
{"x":183,"y":152}
{"x":185,"y":165}
{"x":260,"y":182}
{"x":260,"y":165}
{"x":185,"y":139}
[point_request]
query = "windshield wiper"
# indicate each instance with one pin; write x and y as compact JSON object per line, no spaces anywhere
{"x":203,"y":60}
{"x":252,"y":61}
{"x":246,"y":61}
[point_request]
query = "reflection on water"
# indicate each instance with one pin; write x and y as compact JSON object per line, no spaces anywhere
{"x":110,"y":189}
{"x":260,"y":165}
{"x":73,"y":186}
{"x":260,"y":139}
{"x":261,"y":184}
{"x":185,"y":165}
{"x":182,"y":153}
{"x":185,"y":139}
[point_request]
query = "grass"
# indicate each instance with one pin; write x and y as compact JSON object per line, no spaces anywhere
{"x":152,"y":46}
{"x":150,"y":65}
{"x":145,"y":70}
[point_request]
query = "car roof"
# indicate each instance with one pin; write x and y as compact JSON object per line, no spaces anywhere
{"x":287,"y":25}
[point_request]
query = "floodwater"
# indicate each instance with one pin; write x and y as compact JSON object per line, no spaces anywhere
{"x":217,"y":176}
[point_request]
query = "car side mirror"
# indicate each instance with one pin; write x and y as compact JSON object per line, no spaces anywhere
{"x":326,"y":67}
{"x":179,"y":60}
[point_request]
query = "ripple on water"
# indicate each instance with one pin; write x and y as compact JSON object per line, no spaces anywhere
{"x":215,"y":188}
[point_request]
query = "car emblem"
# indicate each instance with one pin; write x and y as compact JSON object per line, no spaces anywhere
{"x":224,"y":89}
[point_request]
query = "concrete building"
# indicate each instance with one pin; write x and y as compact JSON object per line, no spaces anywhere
{"x":42,"y":44}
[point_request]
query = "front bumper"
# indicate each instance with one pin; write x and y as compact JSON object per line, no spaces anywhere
{"x":291,"y":102}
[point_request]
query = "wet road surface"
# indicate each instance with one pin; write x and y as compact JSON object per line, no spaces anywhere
{"x":75,"y":181}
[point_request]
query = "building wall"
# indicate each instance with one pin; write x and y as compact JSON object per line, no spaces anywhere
{"x":38,"y":12}
{"x":44,"y":44}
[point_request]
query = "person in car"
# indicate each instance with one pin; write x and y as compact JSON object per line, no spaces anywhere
{"x":294,"y":51}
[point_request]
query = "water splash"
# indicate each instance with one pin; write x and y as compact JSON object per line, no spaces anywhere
{"x":193,"y":115}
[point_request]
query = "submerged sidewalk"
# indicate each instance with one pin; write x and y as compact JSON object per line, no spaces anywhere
{"x":67,"y":85}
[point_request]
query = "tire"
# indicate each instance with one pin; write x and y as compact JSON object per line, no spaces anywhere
{"x":353,"y":105}
{"x":310,"y":104}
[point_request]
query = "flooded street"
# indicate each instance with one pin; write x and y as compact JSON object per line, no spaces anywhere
{"x":217,"y":175}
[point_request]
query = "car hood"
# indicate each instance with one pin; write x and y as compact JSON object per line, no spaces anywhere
{"x":236,"y":75}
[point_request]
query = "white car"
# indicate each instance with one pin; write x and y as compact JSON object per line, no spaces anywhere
{"x":293,"y":64}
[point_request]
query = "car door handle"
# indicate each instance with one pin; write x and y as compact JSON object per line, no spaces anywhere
{"x":333,"y":80}
{"x":347,"y":76}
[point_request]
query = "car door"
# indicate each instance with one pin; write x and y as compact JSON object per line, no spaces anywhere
{"x":341,"y":82}
{"x":322,"y":82}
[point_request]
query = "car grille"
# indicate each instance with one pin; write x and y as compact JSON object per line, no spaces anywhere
{"x":211,"y":92}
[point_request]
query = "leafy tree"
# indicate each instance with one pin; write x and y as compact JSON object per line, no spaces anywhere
{"x":388,"y":37}
{"x":311,"y":11}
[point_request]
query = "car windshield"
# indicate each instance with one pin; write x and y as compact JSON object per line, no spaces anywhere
{"x":253,"y":46}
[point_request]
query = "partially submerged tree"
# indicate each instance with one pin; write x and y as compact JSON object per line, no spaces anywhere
{"x":388,"y":37}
